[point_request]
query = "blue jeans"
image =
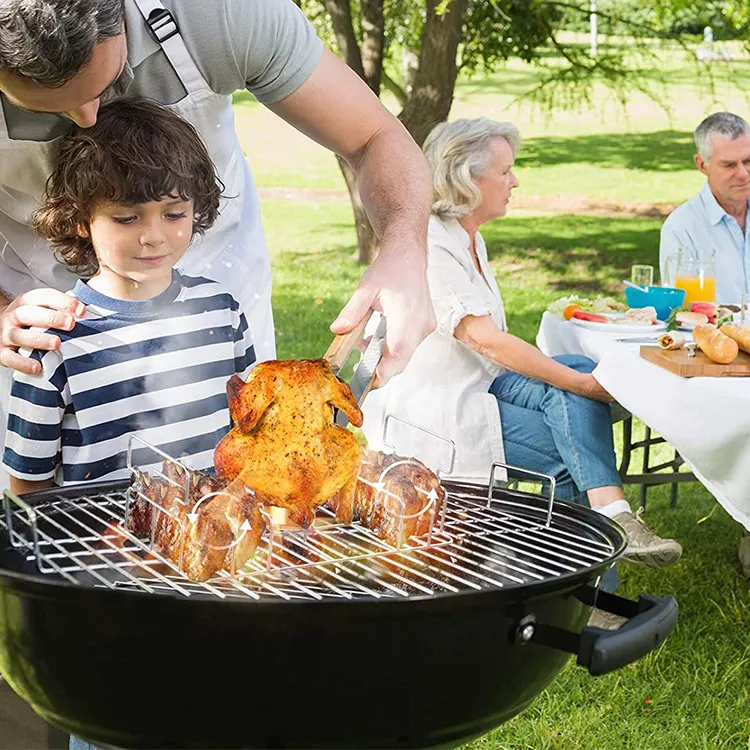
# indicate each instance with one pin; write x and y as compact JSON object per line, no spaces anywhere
{"x":555,"y":432}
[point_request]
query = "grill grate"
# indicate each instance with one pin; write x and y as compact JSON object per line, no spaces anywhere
{"x":503,"y":541}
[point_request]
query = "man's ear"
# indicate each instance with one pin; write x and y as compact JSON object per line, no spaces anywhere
{"x":698,"y":159}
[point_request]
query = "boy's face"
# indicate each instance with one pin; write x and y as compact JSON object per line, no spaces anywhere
{"x":137,"y":246}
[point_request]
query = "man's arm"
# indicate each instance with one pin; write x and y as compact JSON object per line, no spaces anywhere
{"x":337,"y":109}
{"x":39,"y":308}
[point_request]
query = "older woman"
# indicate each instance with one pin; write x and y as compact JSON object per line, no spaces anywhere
{"x":498,"y":398}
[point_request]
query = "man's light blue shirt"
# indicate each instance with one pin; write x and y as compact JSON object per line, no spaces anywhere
{"x":700,"y":225}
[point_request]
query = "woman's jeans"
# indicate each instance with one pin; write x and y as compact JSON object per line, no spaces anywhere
{"x":557,"y":433}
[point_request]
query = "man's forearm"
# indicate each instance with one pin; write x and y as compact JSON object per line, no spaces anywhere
{"x":395,"y":187}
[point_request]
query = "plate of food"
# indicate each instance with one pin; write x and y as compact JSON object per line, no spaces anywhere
{"x":634,"y":320}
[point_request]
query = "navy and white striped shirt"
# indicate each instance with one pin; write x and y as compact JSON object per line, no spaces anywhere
{"x":157,"y":368}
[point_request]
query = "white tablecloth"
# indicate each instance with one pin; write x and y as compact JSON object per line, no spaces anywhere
{"x":706,"y":419}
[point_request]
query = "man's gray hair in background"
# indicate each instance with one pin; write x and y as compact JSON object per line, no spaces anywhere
{"x":50,"y":41}
{"x":718,"y":125}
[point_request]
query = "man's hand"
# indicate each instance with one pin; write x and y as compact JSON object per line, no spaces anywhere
{"x":39,"y":308}
{"x":395,"y":285}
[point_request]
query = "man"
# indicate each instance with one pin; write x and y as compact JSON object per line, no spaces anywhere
{"x":716,"y":218}
{"x":59,"y":59}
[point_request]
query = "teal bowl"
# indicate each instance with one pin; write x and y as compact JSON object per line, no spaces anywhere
{"x":663,"y":298}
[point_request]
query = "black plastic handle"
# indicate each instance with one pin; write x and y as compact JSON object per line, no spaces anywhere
{"x":650,"y":620}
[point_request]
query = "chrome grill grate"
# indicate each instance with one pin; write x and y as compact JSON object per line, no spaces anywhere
{"x":508,"y":540}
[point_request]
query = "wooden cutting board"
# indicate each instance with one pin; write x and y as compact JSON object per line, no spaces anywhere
{"x":699,"y":366}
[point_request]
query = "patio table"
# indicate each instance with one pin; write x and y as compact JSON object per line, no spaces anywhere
{"x":707,"y":420}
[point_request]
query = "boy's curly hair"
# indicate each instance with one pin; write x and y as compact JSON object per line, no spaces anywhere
{"x":138,"y":151}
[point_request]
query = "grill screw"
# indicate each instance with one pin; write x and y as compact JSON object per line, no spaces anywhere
{"x":525,"y":630}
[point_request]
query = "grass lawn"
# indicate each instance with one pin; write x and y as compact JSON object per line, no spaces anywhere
{"x":639,"y":152}
{"x":694,"y":692}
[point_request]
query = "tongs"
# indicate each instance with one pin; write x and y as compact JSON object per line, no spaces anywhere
{"x":364,"y":376}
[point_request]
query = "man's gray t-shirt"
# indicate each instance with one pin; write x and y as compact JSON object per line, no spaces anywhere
{"x":266,"y":46}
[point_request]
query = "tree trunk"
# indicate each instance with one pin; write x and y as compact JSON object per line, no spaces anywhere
{"x":368,"y":65}
{"x":432,"y":94}
{"x":367,"y":241}
{"x":373,"y":42}
{"x":341,"y":17}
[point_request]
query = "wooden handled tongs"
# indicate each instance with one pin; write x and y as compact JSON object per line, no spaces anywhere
{"x":364,"y":376}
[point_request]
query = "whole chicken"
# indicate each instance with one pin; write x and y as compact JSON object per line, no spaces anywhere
{"x":284,"y":443}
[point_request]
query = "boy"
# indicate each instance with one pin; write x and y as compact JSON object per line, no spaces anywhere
{"x":151,"y":349}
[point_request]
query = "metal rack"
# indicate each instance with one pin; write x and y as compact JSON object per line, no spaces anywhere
{"x":480,"y":538}
{"x":77,"y":536}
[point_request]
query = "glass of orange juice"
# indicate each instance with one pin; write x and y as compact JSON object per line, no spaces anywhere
{"x":694,"y":272}
{"x":699,"y":288}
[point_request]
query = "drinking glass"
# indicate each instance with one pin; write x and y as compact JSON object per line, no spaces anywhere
{"x":642,"y":275}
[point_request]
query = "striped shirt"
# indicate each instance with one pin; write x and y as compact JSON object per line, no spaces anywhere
{"x":157,"y":368}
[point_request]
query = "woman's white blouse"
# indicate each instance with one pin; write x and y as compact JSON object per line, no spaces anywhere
{"x":444,"y":388}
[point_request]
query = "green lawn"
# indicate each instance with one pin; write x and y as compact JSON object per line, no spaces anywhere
{"x":694,"y":692}
{"x":639,"y":152}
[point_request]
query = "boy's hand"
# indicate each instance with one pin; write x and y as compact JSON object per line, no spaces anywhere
{"x":39,"y":308}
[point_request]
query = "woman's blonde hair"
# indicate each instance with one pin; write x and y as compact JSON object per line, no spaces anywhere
{"x":457,"y":152}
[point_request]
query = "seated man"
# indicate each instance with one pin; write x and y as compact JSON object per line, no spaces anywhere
{"x":716,"y":218}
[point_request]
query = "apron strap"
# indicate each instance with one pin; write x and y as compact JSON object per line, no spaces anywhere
{"x":165,"y":30}
{"x":3,"y":125}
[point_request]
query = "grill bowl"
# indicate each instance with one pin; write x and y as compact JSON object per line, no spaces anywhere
{"x":131,"y":669}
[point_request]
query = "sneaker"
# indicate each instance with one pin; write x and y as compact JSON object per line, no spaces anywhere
{"x":644,"y":546}
{"x":744,"y":555}
{"x":606,"y":620}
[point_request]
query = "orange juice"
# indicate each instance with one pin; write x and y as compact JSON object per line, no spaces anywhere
{"x":697,"y":288}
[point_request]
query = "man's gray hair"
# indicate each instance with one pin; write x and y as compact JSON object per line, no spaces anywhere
{"x":458,"y":152}
{"x":50,"y":41}
{"x":718,"y":125}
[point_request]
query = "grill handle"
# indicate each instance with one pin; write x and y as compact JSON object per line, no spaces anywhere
{"x":650,"y":620}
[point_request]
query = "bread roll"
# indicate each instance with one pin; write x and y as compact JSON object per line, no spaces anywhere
{"x":741,"y":334}
{"x":717,"y":346}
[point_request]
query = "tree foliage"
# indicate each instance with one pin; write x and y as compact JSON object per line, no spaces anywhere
{"x":417,"y":48}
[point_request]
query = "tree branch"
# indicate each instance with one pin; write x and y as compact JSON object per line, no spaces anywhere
{"x":395,"y":89}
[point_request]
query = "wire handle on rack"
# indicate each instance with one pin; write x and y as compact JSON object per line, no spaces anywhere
{"x":439,"y":470}
{"x":534,"y":474}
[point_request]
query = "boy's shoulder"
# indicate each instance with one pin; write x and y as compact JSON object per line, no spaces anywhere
{"x":201,"y":287}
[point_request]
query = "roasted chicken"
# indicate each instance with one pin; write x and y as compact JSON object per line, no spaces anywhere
{"x":392,"y":497}
{"x":203,"y":533}
{"x":284,"y":443}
